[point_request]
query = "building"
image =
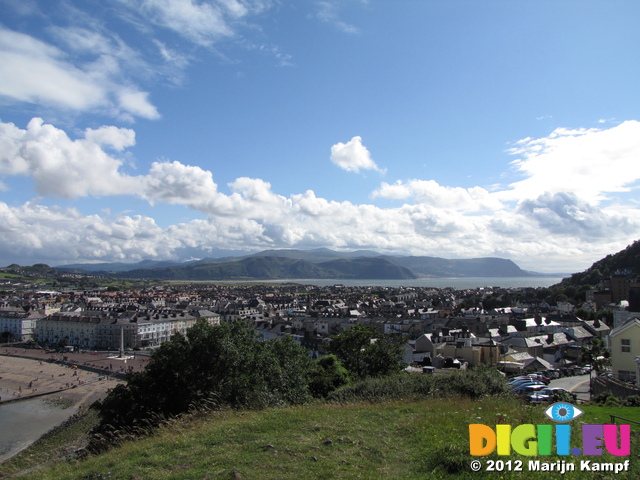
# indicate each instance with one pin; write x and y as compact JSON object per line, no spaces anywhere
{"x":624,"y":342}
{"x":17,"y":324}
{"x":70,"y":328}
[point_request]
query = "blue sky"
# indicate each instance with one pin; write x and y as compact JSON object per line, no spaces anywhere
{"x":181,"y":129}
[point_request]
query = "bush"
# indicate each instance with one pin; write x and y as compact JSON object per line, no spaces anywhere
{"x":607,"y":400}
{"x":563,"y":396}
{"x":632,"y":401}
{"x":385,"y":388}
{"x":327,"y":375}
{"x":476,"y":383}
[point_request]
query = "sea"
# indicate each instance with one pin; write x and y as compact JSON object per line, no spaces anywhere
{"x":457,"y":283}
{"x":23,"y":422}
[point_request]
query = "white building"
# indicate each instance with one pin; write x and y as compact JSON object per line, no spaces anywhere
{"x":17,"y":325}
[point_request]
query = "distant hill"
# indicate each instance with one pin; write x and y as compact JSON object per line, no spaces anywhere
{"x":274,"y":268}
{"x":473,"y":267}
{"x":627,"y":260}
{"x":309,"y":264}
{"x":116,"y":266}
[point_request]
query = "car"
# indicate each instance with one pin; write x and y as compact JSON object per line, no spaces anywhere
{"x":528,"y":390}
{"x":521,"y":382}
{"x":540,"y":378}
{"x":545,"y":394}
{"x":519,"y":388}
{"x":518,"y":379}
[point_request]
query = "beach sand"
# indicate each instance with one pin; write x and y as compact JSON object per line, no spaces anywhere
{"x":22,"y":378}
{"x":30,"y":389}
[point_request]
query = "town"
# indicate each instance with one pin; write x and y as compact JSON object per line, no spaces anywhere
{"x":512,"y":329}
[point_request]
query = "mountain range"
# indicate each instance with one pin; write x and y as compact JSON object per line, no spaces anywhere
{"x":307,"y":264}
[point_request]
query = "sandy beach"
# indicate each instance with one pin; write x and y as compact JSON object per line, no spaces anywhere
{"x":32,"y":382}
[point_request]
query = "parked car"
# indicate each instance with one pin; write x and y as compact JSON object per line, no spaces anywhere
{"x":521,"y":381}
{"x":518,"y":379}
{"x":545,"y":395}
{"x":528,"y":390}
{"x":540,"y":378}
{"x":519,"y":388}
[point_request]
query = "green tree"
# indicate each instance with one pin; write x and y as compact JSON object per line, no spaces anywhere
{"x":226,"y":364}
{"x":606,"y":315}
{"x":367,"y":353}
{"x":596,"y":355}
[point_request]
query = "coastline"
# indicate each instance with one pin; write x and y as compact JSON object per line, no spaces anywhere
{"x":38,"y":392}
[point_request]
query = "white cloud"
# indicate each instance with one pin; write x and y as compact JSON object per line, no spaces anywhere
{"x":431,"y":193}
{"x":26,"y":62}
{"x":201,"y":22}
{"x":353,"y":156}
{"x":328,"y":12}
{"x":36,"y":72}
{"x":546,"y":232}
{"x":62,"y":167}
{"x":589,"y":163}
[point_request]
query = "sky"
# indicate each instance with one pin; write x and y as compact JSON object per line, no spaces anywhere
{"x":186,"y":129}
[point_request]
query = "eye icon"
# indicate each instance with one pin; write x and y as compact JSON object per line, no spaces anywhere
{"x":563,"y":412}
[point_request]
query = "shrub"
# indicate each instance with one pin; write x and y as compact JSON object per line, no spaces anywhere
{"x":385,"y":388}
{"x":632,"y":401}
{"x":476,"y":383}
{"x":563,"y":396}
{"x":327,"y":375}
{"x":607,"y":400}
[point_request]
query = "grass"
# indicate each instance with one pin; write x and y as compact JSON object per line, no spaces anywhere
{"x":397,"y":439}
{"x":602,"y":414}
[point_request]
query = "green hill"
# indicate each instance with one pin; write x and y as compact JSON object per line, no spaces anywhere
{"x":402,"y":439}
{"x":625,"y":260}
{"x":269,"y":267}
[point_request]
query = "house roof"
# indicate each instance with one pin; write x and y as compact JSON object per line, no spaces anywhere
{"x":635,"y":321}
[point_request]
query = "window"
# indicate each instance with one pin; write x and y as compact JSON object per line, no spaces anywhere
{"x":627,"y":376}
{"x":625,"y":345}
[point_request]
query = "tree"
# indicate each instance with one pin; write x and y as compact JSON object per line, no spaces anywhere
{"x":596,"y":354}
{"x":367,"y":353}
{"x":224,"y":363}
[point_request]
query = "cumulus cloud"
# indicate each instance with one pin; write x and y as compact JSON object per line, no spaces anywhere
{"x":565,"y":214}
{"x":431,"y":193}
{"x":434,"y":220}
{"x":353,"y":156}
{"x":62,"y":167}
{"x":589,"y":163}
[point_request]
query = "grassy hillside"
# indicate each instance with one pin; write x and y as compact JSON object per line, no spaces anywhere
{"x":405,"y":439}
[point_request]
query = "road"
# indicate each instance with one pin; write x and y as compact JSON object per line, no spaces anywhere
{"x":578,"y":385}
